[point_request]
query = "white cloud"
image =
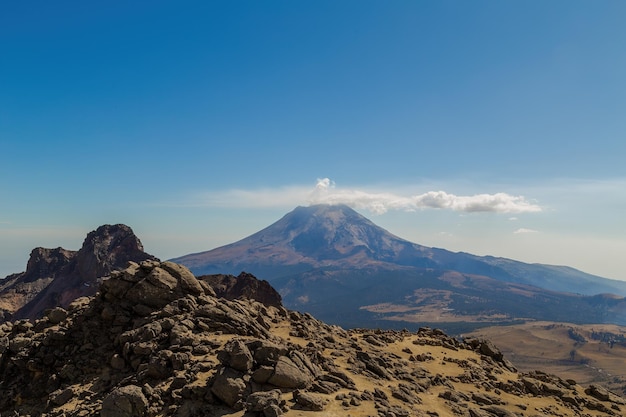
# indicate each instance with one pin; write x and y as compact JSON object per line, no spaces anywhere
{"x":523,"y":230}
{"x":326,"y":192}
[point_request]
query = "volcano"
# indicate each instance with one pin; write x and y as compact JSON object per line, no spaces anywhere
{"x":335,"y":263}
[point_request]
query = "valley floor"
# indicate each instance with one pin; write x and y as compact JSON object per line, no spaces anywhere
{"x":591,"y":353}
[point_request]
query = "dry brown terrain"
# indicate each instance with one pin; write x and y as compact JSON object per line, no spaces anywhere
{"x":155,"y":342}
{"x":593,"y":353}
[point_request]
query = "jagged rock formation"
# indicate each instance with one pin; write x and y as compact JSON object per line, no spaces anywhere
{"x":55,"y":277}
{"x":43,"y":266}
{"x":243,"y":286}
{"x":156,"y":341}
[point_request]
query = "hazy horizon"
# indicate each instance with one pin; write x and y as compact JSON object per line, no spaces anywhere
{"x":494,"y":128}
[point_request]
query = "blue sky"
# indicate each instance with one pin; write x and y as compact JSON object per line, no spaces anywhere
{"x":486,"y":127}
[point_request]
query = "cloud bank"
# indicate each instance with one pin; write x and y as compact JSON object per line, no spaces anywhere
{"x":326,"y":192}
{"x":379,"y":203}
{"x":523,"y":230}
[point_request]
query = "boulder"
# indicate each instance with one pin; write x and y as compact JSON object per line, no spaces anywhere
{"x":127,"y":401}
{"x":267,"y":353}
{"x":236,"y":355}
{"x":263,"y":401}
{"x":229,"y":387}
{"x":308,"y":401}
{"x":57,"y":315}
{"x":151,"y":284}
{"x":288,"y":375}
{"x":188,"y":281}
{"x":487,"y":348}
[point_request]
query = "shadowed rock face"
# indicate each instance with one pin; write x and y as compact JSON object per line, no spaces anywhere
{"x":106,"y":249}
{"x":245,"y":286}
{"x":156,"y":341}
{"x":55,"y":277}
{"x":47,"y":263}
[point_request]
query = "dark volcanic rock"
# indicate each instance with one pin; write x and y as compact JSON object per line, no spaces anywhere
{"x":127,"y":401}
{"x":243,"y":286}
{"x":43,"y":266}
{"x":155,"y":342}
{"x":56,"y":277}
{"x":106,"y":249}
{"x":46,"y":263}
{"x":141,"y":330}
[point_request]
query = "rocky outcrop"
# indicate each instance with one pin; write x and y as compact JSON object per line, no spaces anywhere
{"x":156,"y":341}
{"x":243,"y":286}
{"x":56,"y":277}
{"x":43,"y":266}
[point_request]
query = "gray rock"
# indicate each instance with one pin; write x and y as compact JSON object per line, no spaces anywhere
{"x":60,"y":397}
{"x":404,"y":393}
{"x":532,"y":385}
{"x":272,"y":411}
{"x":57,"y":315}
{"x":236,"y":355}
{"x":18,"y":343}
{"x":372,"y":365}
{"x":308,"y":401}
{"x":117,"y":362}
{"x":262,"y":400}
{"x":127,"y":401}
{"x":263,"y":374}
{"x":603,"y":394}
{"x":483,"y":398}
{"x":288,"y":375}
{"x":499,"y":411}
{"x":487,"y":348}
{"x":267,"y":353}
{"x":188,"y":281}
{"x":229,"y":387}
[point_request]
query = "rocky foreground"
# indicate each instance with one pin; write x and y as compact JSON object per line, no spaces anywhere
{"x":156,"y":341}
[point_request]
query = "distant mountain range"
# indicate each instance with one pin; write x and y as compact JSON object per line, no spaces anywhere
{"x":335,"y":263}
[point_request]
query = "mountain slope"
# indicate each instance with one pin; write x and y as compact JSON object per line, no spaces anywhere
{"x":337,"y":236}
{"x":336,"y":264}
{"x":310,"y":237}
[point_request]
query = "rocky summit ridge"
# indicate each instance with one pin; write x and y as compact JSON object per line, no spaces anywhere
{"x":157,"y":341}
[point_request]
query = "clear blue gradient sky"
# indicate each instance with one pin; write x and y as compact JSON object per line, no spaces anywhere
{"x":486,"y":126}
